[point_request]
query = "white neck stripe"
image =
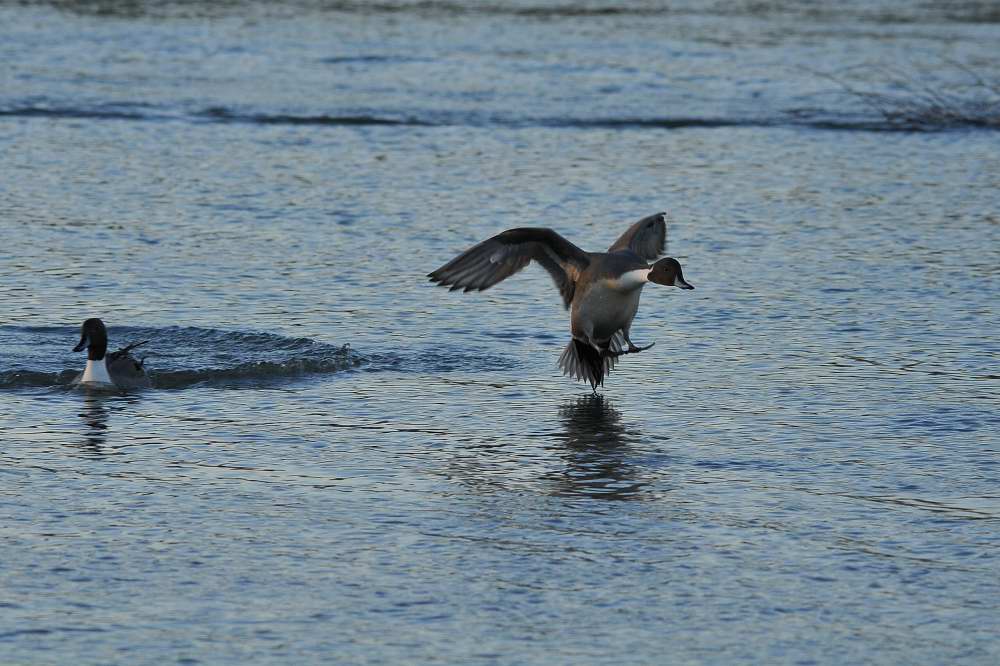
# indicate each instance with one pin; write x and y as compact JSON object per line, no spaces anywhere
{"x":96,"y":372}
{"x":635,"y":278}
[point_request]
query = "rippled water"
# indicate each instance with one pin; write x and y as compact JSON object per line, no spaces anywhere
{"x":340,"y":462}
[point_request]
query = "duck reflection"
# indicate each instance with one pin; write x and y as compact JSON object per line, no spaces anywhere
{"x":95,"y":421}
{"x":95,"y":412}
{"x":595,"y":443}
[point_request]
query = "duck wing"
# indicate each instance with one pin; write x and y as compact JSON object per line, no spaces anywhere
{"x":125,"y":370}
{"x":496,"y":259}
{"x":647,"y":237}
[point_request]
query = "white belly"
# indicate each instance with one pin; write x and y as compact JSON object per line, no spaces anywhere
{"x":603,"y":311}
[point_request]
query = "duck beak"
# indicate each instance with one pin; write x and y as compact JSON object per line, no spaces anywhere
{"x":679,"y":282}
{"x":84,"y":343}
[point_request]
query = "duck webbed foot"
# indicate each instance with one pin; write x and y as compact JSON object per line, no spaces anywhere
{"x":632,"y":349}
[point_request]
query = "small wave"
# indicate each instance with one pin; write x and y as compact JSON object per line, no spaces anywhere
{"x":793,"y":118}
{"x":978,"y":12}
{"x":922,"y":98}
{"x":179,"y":357}
{"x":372,"y":60}
{"x":133,"y":111}
{"x":255,"y":373}
{"x":913,"y":121}
{"x":819,"y":119}
{"x":35,"y":379}
{"x":531,"y":10}
{"x":543,"y":10}
{"x":220,"y":114}
{"x":472,"y":119}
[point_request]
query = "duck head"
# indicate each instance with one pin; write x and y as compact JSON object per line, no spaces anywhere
{"x":93,"y":337}
{"x":667,"y":271}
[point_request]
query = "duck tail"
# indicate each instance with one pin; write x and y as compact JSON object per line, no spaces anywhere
{"x":581,"y":361}
{"x":126,"y":351}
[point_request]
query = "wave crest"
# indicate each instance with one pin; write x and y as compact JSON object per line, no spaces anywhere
{"x":180,"y":357}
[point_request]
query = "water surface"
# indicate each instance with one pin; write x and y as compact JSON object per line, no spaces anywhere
{"x":341,"y":462}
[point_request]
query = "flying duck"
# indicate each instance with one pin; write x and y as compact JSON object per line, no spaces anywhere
{"x":601,"y":289}
{"x":108,"y":371}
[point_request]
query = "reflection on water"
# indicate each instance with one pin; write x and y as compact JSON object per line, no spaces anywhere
{"x":95,"y":412}
{"x":95,"y":421}
{"x":595,"y":444}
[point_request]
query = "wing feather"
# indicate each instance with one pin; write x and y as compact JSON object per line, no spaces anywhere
{"x":497,"y":258}
{"x":647,"y":237}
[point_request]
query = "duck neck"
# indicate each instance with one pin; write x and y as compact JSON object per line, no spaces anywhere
{"x":97,"y":349}
{"x":635,"y":279}
{"x":96,"y":372}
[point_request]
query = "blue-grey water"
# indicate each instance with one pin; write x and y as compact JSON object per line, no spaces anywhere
{"x":341,"y":463}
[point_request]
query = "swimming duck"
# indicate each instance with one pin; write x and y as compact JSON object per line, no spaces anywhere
{"x":600,"y":288}
{"x":116,"y":370}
